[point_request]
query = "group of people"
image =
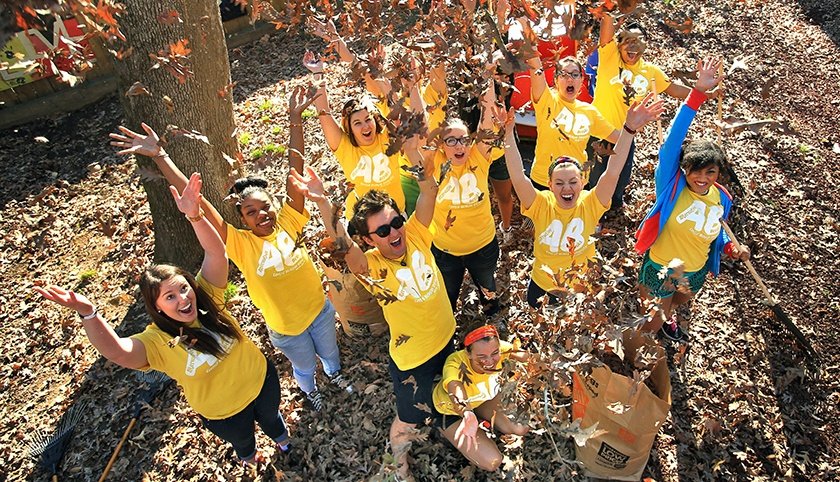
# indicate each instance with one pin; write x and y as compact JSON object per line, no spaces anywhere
{"x":415,"y":222}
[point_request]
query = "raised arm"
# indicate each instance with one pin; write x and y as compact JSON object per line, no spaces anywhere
{"x":298,"y":102}
{"x":328,"y":32}
{"x":214,"y":267}
{"x":607,"y":30}
{"x":424,"y":209}
{"x":312,"y":187}
{"x":668,"y":165}
{"x":521,"y":184}
{"x":489,"y":112}
{"x":332,"y":130}
{"x":149,"y":145}
{"x":638,"y":115}
{"x":535,"y":68}
{"x":125,"y":352}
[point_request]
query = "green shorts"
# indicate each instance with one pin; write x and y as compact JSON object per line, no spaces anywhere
{"x":657,"y":279}
{"x":498,"y":170}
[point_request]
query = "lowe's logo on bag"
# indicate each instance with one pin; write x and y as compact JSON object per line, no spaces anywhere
{"x":610,"y":457}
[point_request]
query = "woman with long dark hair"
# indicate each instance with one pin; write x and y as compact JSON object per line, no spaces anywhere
{"x":195,"y":341}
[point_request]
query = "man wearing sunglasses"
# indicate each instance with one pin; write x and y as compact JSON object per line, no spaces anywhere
{"x":401,"y":273}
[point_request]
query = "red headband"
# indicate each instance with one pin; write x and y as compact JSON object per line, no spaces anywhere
{"x":480,"y":333}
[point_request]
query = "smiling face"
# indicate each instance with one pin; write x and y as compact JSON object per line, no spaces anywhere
{"x":700,"y":180}
{"x":391,"y":246}
{"x":363,"y":127}
{"x":566,"y":184}
{"x":177,"y":299}
{"x":485,"y":355}
{"x":258,"y":213}
{"x":568,"y":80}
{"x":457,"y":153}
{"x":631,"y":47}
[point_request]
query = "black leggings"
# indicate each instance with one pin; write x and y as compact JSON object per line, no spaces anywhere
{"x":534,"y":294}
{"x":238,"y":429}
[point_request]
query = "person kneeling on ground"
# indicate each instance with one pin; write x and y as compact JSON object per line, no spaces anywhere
{"x":467,"y":396}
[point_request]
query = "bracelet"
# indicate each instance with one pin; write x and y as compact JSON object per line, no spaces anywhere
{"x":324,"y":112}
{"x":295,"y":124}
{"x":539,"y":71}
{"x":629,"y":130}
{"x":90,"y":316}
{"x":195,"y":219}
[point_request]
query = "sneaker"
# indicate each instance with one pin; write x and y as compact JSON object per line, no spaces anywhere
{"x":253,"y":462}
{"x":283,"y":449}
{"x":507,"y":234}
{"x":341,"y":382}
{"x":527,"y":224}
{"x":316,"y":400}
{"x":671,"y":329}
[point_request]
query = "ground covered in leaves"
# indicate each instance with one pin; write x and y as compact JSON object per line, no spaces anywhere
{"x":746,"y":403}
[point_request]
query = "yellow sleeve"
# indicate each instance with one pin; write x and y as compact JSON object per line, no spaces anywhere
{"x":150,"y":338}
{"x":452,"y":369}
{"x":234,"y":244}
{"x":594,"y":208}
{"x":539,"y":204}
{"x":347,"y":154}
{"x":662,"y":80}
{"x":546,"y":108}
{"x":217,"y":293}
{"x":415,"y":230}
{"x":608,"y":54}
{"x":291,"y":220}
{"x":600,"y":128}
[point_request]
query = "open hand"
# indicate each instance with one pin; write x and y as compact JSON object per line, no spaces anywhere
{"x":325,"y":30}
{"x":133,"y":143}
{"x":189,"y":201}
{"x":640,"y":113}
{"x":67,"y":298}
{"x":308,"y":184}
{"x":300,"y":99}
{"x":466,"y":432}
{"x":312,"y":63}
{"x":709,"y":74}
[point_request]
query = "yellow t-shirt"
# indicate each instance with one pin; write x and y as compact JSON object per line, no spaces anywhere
{"x":214,"y":388}
{"x":690,"y":231}
{"x":563,"y":129}
{"x":413,"y":299}
{"x":463,"y":204}
{"x":368,"y":168}
{"x":282,"y":280}
{"x":613,"y":73}
{"x":481,"y":387}
{"x":555,"y":227}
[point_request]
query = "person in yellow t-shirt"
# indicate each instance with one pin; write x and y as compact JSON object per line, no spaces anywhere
{"x":469,"y":391}
{"x":564,"y":124}
{"x":195,"y":341}
{"x":281,"y":278}
{"x":434,"y":93}
{"x":565,"y":216}
{"x":359,"y":143}
{"x":401,"y":273}
{"x":624,"y":77}
{"x":463,"y":225}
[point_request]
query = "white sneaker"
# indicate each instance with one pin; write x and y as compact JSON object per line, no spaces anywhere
{"x":341,"y":382}
{"x":507,"y":234}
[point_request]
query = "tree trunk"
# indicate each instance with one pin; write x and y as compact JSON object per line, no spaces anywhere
{"x":195,"y":104}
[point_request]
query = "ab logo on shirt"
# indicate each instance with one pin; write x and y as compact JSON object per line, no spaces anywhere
{"x":638,"y":82}
{"x":417,"y":280}
{"x":460,"y":191}
{"x":557,"y":238}
{"x":571,"y":123}
{"x":706,"y":225}
{"x":280,"y":255}
{"x":195,"y":359}
{"x":372,"y":170}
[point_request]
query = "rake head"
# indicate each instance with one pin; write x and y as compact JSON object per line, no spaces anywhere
{"x":49,"y":447}
{"x":153,"y":382}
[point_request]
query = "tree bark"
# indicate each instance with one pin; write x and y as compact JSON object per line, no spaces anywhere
{"x":195,"y":104}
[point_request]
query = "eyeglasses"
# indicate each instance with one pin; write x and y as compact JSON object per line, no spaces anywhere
{"x":385,"y":229}
{"x":454,"y":141}
{"x":574,"y":75}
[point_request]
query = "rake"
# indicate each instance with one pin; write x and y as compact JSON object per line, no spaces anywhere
{"x":48,"y":448}
{"x":155,"y":382}
{"x":774,"y":305}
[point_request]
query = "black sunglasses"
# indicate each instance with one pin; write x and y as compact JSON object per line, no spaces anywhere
{"x":385,"y":229}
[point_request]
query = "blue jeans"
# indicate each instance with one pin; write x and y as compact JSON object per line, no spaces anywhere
{"x":599,"y":165}
{"x":317,"y":340}
{"x":238,"y":430}
{"x":482,"y":268}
